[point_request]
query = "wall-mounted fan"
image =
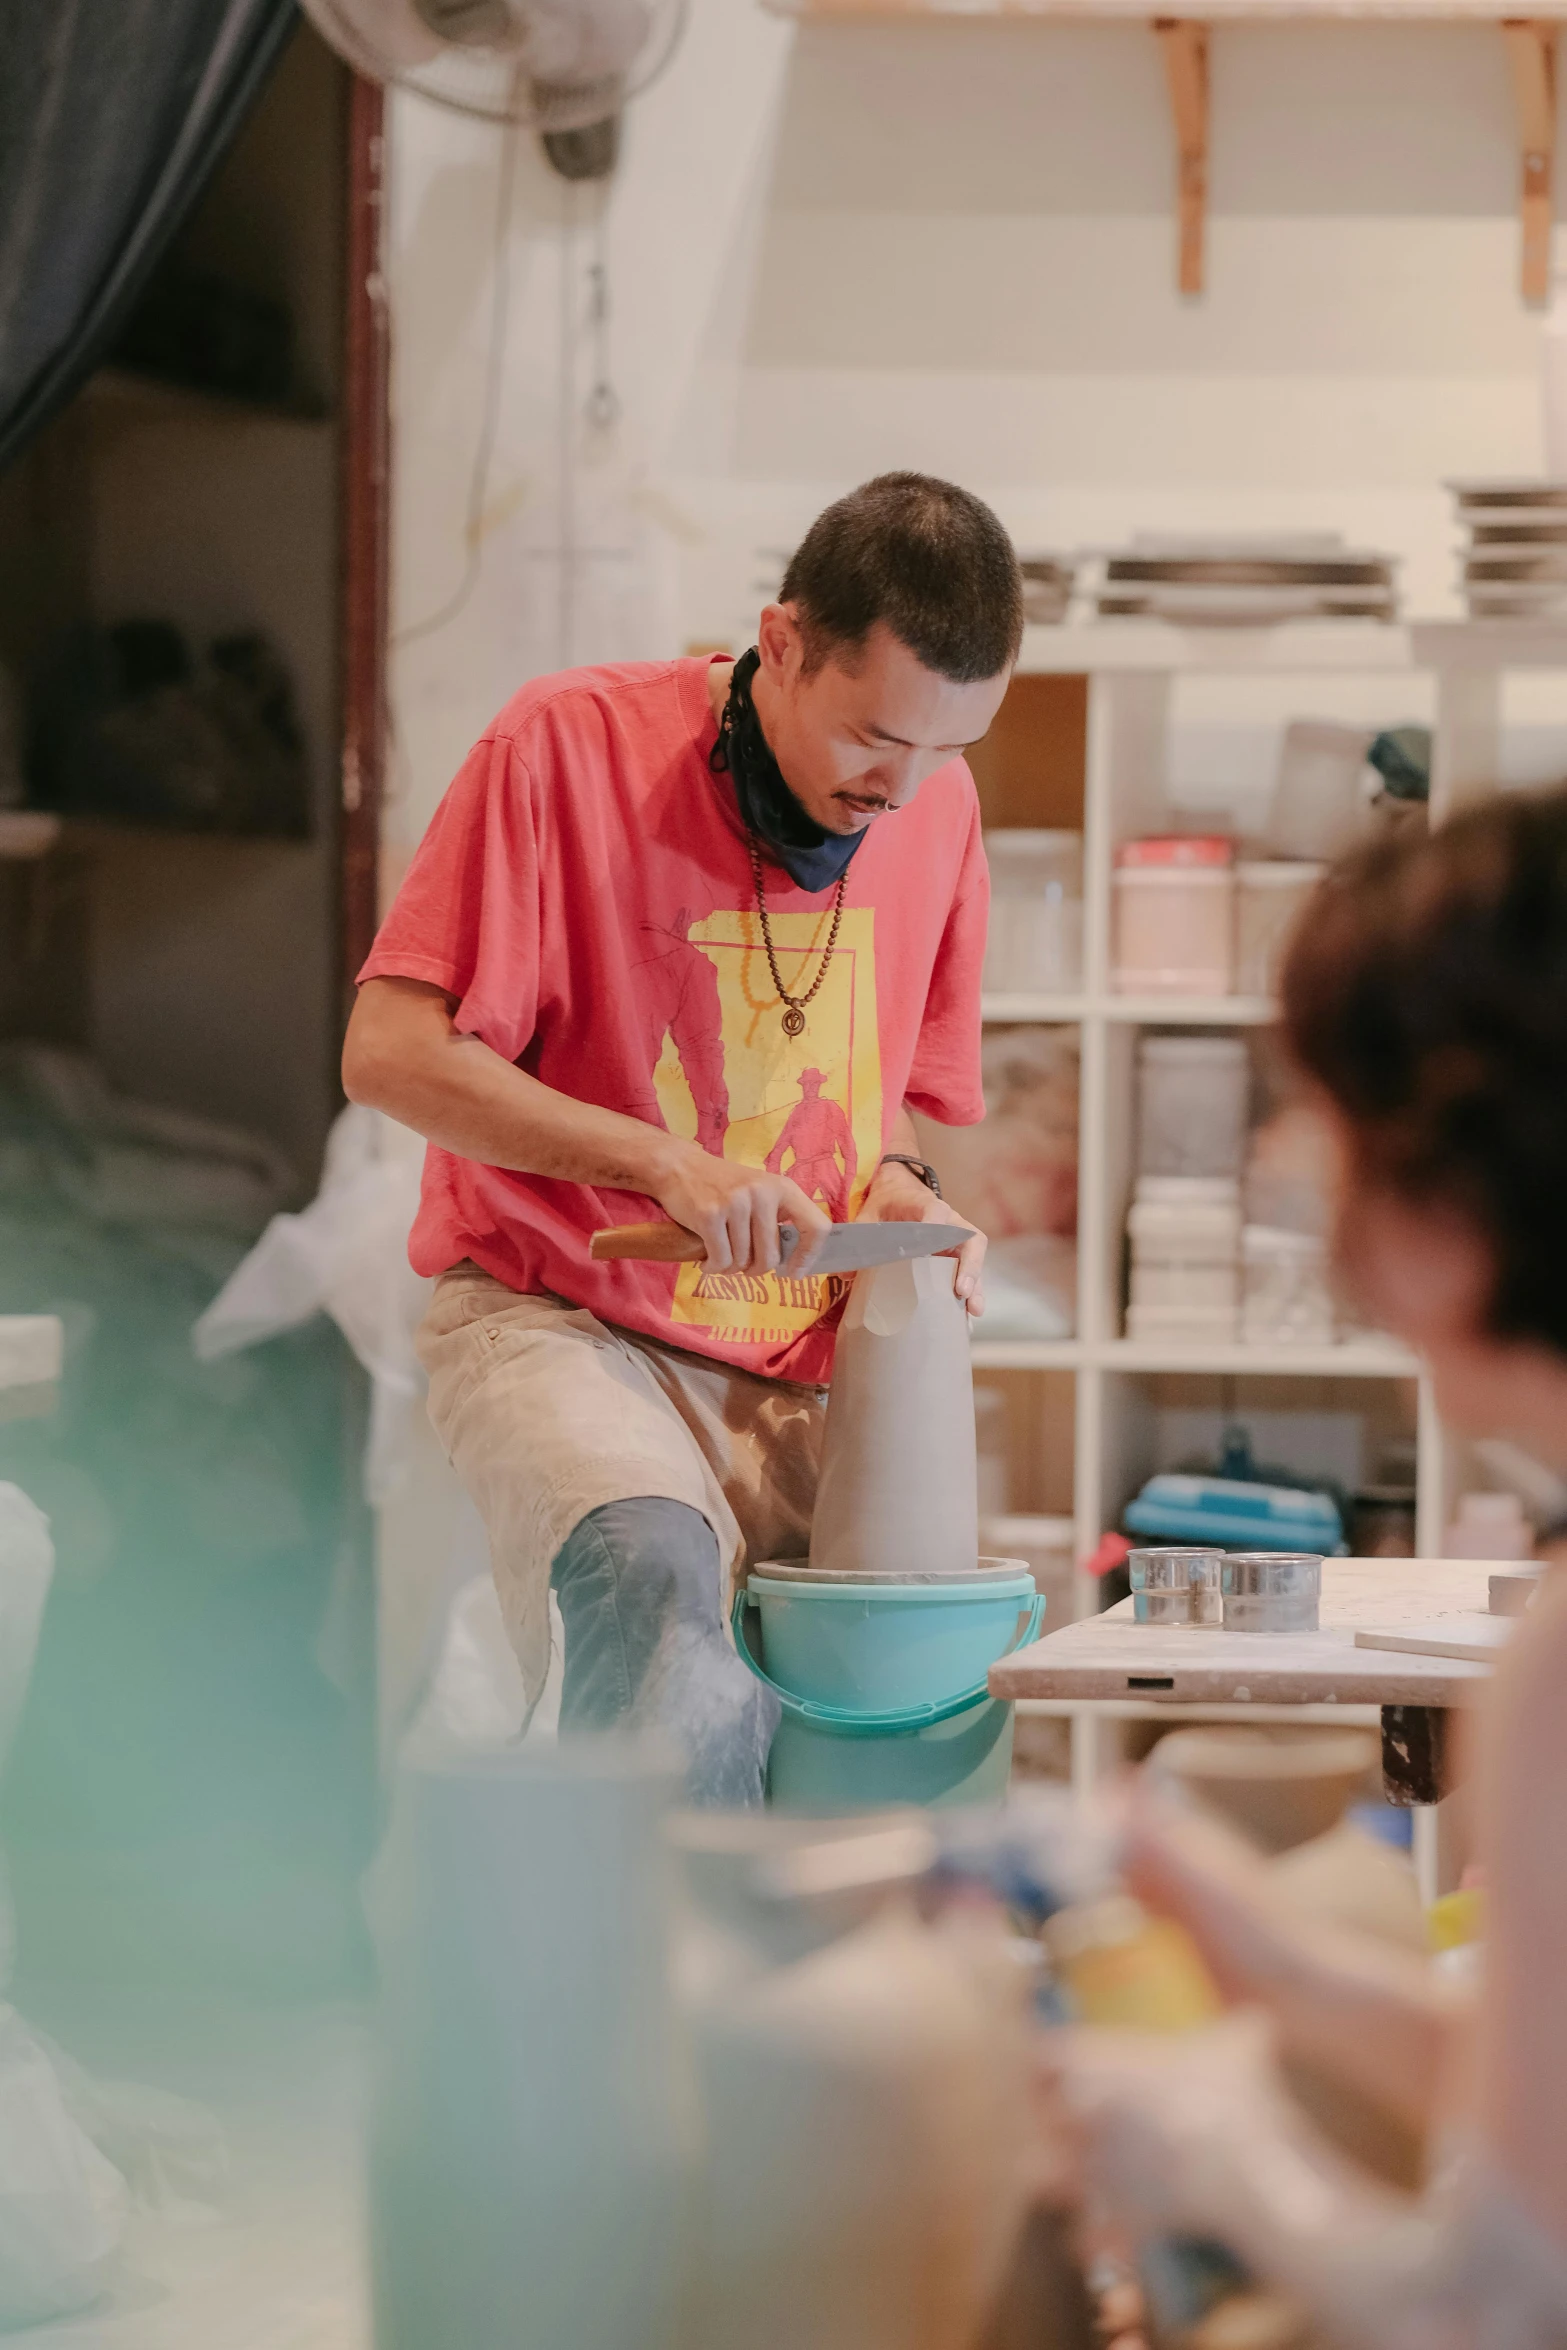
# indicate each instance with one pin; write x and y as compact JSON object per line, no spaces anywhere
{"x":564,"y":68}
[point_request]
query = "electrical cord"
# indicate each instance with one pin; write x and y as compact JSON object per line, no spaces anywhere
{"x":566,"y":435}
{"x":489,"y":425}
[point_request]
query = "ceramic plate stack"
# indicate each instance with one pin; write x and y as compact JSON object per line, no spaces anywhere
{"x":1047,"y":588}
{"x":1515,"y":562}
{"x":1246,"y":582}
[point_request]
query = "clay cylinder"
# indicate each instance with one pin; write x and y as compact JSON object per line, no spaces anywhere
{"x":897,"y":1490}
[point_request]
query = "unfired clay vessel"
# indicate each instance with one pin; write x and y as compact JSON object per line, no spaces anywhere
{"x":1280,"y":1790}
{"x":897,"y":1491}
{"x":862,"y":2091}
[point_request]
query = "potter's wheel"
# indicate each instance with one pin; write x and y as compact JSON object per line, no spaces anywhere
{"x":984,"y":1570}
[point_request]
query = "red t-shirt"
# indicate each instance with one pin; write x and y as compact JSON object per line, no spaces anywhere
{"x":585,"y":893}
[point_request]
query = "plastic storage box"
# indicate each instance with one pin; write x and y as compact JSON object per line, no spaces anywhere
{"x":1035,"y":941}
{"x":1318,"y":804}
{"x":1489,"y":1526}
{"x":1174,"y":916}
{"x":1286,"y":1297}
{"x":1192,"y":1098}
{"x":1185,"y":1246}
{"x":1221,"y":1510}
{"x":1270,"y":896}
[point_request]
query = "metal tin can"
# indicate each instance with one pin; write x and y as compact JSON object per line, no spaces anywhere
{"x":1176,"y":1584}
{"x":1271,"y":1591}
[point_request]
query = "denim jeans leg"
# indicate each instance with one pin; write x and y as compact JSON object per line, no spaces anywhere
{"x":640,"y":1585}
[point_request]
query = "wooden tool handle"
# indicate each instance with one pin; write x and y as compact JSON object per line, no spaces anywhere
{"x":652,"y":1244}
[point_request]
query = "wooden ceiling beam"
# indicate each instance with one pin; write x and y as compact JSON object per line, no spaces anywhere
{"x":1531,"y":53}
{"x":1185,"y":46}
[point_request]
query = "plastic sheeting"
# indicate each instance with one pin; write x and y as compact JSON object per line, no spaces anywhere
{"x":61,"y":2204}
{"x":476,"y":1697}
{"x":1030,"y":1288}
{"x":26,"y":1565}
{"x":345,"y":1255}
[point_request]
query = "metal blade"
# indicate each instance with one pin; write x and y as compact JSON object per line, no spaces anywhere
{"x":854,"y":1248}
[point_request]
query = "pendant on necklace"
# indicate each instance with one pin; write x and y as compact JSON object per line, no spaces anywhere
{"x":794,"y":1021}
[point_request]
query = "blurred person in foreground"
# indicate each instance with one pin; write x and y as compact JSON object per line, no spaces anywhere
{"x":1425,"y":1004}
{"x":690,"y":937}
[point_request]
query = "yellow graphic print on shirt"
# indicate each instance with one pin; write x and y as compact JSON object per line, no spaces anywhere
{"x":808,"y":1107}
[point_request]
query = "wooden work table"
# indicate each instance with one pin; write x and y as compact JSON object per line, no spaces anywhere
{"x":1111,"y":1657}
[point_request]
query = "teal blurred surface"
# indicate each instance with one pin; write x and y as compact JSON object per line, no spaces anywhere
{"x":191,"y":1797}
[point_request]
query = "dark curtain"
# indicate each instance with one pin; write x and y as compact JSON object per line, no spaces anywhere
{"x":112,"y":115}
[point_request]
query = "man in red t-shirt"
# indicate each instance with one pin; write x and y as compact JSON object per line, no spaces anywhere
{"x":697,"y":934}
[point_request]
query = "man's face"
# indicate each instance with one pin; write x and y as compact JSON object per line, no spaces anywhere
{"x":854,"y":741}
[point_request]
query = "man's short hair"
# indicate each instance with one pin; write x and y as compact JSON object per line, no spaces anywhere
{"x":928,"y":559}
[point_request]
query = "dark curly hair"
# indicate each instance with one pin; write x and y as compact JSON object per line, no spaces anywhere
{"x":1426,"y":992}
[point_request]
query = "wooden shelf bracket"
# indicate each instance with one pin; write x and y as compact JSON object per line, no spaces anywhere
{"x":1531,"y":53}
{"x":1185,"y":45}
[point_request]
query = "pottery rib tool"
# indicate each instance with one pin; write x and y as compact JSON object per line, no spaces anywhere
{"x":847,"y":1248}
{"x":1475,"y":1639}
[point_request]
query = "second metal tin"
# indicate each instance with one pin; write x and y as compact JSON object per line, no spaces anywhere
{"x":1271,"y":1591}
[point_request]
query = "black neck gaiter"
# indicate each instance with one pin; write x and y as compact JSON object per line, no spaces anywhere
{"x":812,"y":857}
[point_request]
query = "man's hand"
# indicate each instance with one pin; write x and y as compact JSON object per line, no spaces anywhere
{"x":897,"y":1196}
{"x":405,"y":1057}
{"x":736,"y":1209}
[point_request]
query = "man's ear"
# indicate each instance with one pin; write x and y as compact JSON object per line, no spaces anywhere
{"x":780,"y":643}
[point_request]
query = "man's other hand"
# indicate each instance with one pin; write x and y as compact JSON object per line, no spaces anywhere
{"x":897,"y":1196}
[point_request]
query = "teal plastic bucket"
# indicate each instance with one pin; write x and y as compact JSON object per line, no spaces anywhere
{"x":883,"y":1684}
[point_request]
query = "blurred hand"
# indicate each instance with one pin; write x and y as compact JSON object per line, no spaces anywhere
{"x":1057,"y":2141}
{"x":1164,"y":2118}
{"x":1363,"y":2010}
{"x":1189,"y":1866}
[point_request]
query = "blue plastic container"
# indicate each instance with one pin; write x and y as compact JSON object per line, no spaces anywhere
{"x":883,"y":1684}
{"x":1237,"y":1516}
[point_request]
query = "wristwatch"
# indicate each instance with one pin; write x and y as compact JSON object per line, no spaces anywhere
{"x":920,"y":1167}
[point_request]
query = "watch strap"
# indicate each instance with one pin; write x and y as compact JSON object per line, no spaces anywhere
{"x":920,"y":1167}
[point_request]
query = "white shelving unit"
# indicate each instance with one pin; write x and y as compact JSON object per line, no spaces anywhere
{"x":1133,"y":670}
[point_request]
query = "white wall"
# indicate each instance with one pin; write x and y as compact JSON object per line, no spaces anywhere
{"x":838,"y":248}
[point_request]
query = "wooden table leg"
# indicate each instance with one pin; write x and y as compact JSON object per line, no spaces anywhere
{"x":1414,"y":1753}
{"x":1096,"y":1745}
